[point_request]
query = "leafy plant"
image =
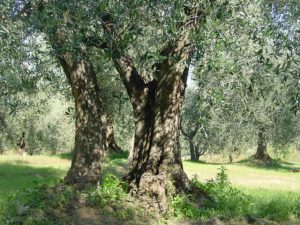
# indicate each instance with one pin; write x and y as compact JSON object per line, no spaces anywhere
{"x":109,"y":192}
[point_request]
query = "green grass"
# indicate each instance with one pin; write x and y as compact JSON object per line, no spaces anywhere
{"x":20,"y":173}
{"x":245,"y":175}
{"x":274,"y":189}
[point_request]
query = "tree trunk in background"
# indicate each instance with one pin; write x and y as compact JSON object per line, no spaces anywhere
{"x":112,"y":146}
{"x":261,"y":152}
{"x":194,"y":148}
{"x":2,"y":121}
{"x":90,"y":123}
{"x":3,"y":127}
{"x":194,"y":155}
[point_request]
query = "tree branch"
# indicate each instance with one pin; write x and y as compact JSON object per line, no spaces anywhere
{"x":132,"y":80}
{"x":180,"y":49}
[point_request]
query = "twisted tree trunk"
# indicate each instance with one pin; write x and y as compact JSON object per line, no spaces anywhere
{"x":90,"y":131}
{"x":90,"y":123}
{"x":156,"y":167}
{"x":156,"y":158}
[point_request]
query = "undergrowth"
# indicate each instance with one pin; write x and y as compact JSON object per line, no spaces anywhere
{"x":226,"y":202}
{"x":35,"y":206}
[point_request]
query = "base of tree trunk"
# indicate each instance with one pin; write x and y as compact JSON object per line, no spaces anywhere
{"x":262,"y":157}
{"x":155,"y":190}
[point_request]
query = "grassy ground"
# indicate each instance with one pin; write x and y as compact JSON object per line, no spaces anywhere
{"x":273,"y":183}
{"x":277,"y":178}
{"x":19,"y":173}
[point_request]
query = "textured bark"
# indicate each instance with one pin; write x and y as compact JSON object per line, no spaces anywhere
{"x":156,"y":166}
{"x":90,"y":132}
{"x":261,"y":151}
{"x":90,"y":123}
{"x":156,"y":158}
{"x":156,"y":155}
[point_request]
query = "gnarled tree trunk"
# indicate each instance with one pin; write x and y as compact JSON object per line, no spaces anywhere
{"x":156,"y":167}
{"x":156,"y":155}
{"x":261,"y":151}
{"x":156,"y":158}
{"x":90,"y":123}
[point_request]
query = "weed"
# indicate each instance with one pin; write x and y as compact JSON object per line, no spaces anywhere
{"x":110,"y":192}
{"x":226,"y":202}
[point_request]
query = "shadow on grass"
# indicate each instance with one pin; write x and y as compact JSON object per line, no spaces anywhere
{"x":110,"y":155}
{"x":21,"y":176}
{"x":275,"y":164}
{"x":65,"y":155}
{"x":208,"y":163}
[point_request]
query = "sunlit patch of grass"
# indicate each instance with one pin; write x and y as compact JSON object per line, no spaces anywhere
{"x":23,"y":172}
{"x":36,"y":160}
{"x":274,"y":189}
{"x":243,"y":175}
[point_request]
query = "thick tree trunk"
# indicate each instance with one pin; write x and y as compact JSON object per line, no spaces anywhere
{"x":156,"y":169}
{"x":261,"y":152}
{"x":90,"y":123}
{"x":156,"y":155}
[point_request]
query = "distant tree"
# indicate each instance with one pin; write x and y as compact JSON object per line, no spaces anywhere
{"x":193,"y":119}
{"x":248,"y":71}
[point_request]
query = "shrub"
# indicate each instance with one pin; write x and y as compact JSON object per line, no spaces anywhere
{"x":222,"y":200}
{"x":278,"y":208}
{"x":110,"y":192}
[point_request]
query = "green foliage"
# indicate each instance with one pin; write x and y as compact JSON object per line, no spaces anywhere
{"x":227,"y":202}
{"x":44,"y":122}
{"x":278,"y":208}
{"x":109,"y":192}
{"x":183,"y":207}
{"x":245,"y":75}
{"x":30,"y":207}
{"x":222,"y":200}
